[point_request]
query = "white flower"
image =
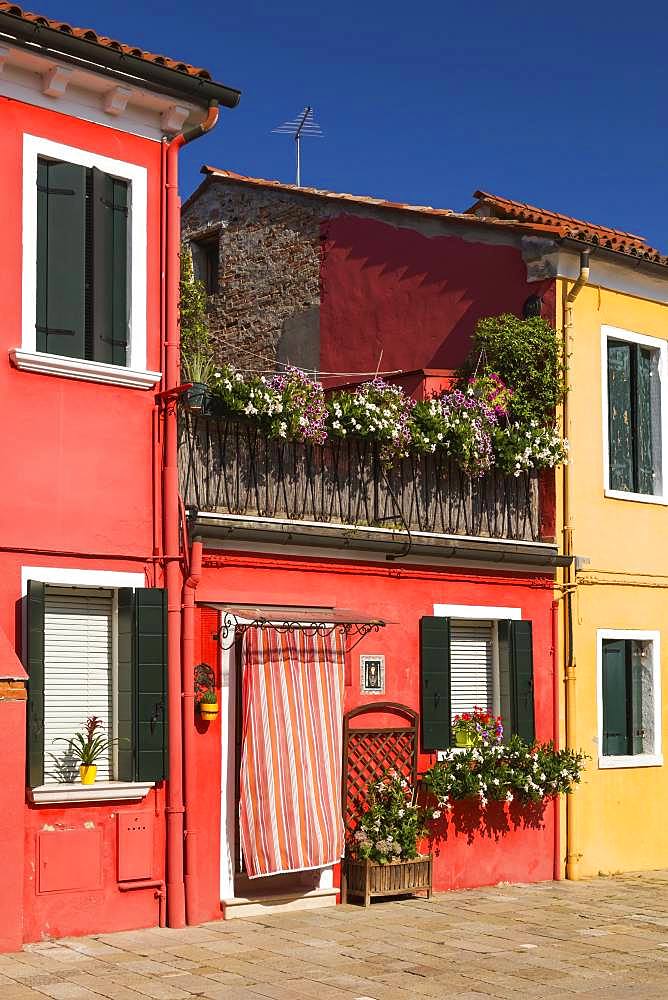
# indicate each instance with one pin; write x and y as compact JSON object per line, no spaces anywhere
{"x":436,"y":814}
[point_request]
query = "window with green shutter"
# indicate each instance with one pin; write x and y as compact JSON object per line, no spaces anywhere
{"x":627,"y":697}
{"x":82,"y":262}
{"x":634,"y":418}
{"x":469,"y":663}
{"x":75,"y":672}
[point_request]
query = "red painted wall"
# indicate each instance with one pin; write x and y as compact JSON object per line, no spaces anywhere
{"x":415,"y":297}
{"x":76,"y":460}
{"x":77,"y":463}
{"x":479,"y":854}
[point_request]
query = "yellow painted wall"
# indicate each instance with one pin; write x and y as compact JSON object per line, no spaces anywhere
{"x":620,"y":815}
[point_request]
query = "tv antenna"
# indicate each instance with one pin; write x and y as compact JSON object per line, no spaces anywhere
{"x":303,"y":125}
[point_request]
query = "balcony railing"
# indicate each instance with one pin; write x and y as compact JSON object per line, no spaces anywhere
{"x":231,"y":467}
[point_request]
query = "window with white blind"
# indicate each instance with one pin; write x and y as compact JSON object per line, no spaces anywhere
{"x":479,"y":669}
{"x":475,"y":661}
{"x":79,"y":633}
{"x":95,"y":650}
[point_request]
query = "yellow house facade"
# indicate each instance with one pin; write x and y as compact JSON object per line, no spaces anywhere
{"x":613,"y":509}
{"x":612,"y":517}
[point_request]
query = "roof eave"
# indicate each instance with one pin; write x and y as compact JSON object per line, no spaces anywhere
{"x":111,"y":62}
{"x":618,"y":256}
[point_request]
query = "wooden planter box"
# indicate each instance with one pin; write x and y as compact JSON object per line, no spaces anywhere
{"x":366,"y":879}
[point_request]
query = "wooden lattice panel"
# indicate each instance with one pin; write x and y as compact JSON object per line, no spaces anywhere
{"x":369,"y":753}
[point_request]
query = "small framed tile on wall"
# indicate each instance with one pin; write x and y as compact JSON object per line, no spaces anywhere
{"x":372,"y":673}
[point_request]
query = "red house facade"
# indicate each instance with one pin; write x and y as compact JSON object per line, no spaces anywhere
{"x":91,"y":130}
{"x":285,"y":535}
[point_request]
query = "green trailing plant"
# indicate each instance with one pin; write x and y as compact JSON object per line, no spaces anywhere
{"x":526,"y":355}
{"x":196,"y":347}
{"x":503,"y":772}
{"x":392,"y":824}
{"x":208,"y":697}
{"x":88,"y":746}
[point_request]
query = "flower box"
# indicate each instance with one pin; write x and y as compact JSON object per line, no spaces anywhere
{"x":368,"y":879}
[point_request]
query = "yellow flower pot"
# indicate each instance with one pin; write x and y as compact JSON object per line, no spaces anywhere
{"x":209,"y":710}
{"x":87,"y":773}
{"x":463,"y":738}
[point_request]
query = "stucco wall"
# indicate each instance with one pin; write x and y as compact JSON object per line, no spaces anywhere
{"x":620,"y":813}
{"x":476,"y":847}
{"x":77,"y":465}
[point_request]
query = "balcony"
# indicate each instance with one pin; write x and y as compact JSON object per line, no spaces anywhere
{"x":232,"y":469}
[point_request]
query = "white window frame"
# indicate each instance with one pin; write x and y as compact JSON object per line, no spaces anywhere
{"x":54,"y":792}
{"x":27,"y":357}
{"x":477,"y":612}
{"x":630,"y":337}
{"x":655,"y":759}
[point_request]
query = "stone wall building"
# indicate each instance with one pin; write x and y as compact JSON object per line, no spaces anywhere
{"x":339,"y":283}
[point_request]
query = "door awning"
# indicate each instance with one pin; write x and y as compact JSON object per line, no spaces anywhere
{"x":237,"y":618}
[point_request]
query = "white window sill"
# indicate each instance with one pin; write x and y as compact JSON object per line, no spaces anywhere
{"x":637,"y":497}
{"x":79,"y":368}
{"x":100,"y":791}
{"x":632,"y":760}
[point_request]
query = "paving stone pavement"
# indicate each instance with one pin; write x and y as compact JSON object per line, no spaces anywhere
{"x":606,"y":938}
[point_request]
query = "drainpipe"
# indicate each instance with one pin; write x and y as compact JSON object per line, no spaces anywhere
{"x":572,"y":855}
{"x":171,"y":533}
{"x":188,"y":663}
{"x":556,"y":863}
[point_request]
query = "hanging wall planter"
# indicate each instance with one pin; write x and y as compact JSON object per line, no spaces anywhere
{"x":208,"y":706}
{"x":205,"y":692}
{"x":196,"y":398}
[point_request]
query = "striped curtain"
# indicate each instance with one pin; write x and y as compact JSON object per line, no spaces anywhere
{"x":290,"y":795}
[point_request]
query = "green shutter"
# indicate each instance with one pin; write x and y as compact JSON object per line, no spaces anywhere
{"x":643,"y":408}
{"x":126,"y":719}
{"x":615,"y":698}
{"x":435,"y":671}
{"x":620,"y":417}
{"x":521,"y":680}
{"x":35,"y":727}
{"x":151,"y":683}
{"x":109,"y":335}
{"x":61,"y":258}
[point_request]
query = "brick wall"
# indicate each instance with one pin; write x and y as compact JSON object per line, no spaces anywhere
{"x":269,"y":279}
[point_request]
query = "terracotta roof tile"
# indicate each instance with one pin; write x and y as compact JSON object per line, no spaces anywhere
{"x":566,"y":226}
{"x":500,"y":212}
{"x":89,"y":35}
{"x":357,"y":199}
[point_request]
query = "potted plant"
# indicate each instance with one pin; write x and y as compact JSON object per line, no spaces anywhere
{"x":208,"y":705}
{"x":197,"y":368}
{"x":471,"y":728}
{"x":87,"y":747}
{"x":383,"y":857}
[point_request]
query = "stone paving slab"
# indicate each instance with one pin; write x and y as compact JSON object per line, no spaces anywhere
{"x":605,"y":938}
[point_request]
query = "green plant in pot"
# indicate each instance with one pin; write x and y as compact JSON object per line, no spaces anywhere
{"x":208,"y":705}
{"x":198,"y":369}
{"x":87,"y":747}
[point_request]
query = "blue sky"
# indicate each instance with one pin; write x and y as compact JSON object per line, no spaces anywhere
{"x":560,"y":106}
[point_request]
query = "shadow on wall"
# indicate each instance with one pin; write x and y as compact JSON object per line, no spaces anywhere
{"x":492,"y":822}
{"x":415,"y":296}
